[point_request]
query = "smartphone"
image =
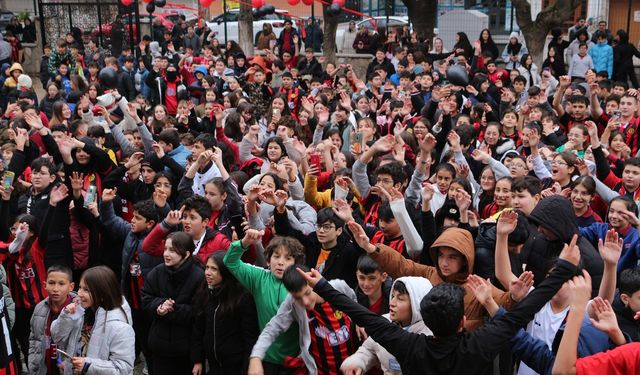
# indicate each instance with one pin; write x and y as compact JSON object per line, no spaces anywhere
{"x":92,"y":192}
{"x":64,"y":354}
{"x":616,"y":114}
{"x":315,"y":161}
{"x":7,"y":179}
{"x":276,"y":111}
{"x":357,"y":143}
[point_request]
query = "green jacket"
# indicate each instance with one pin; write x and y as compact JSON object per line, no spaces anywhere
{"x":268,"y":293}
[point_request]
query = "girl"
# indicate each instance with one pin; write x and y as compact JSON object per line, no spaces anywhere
{"x":529,"y":70}
{"x":578,"y":141}
{"x":497,"y":144}
{"x":462,"y":46}
{"x":623,"y":218}
{"x":554,"y":63}
{"x":582,"y":193}
{"x":167,"y":296}
{"x":61,"y":114}
{"x":159,"y":119}
{"x":438,"y":46}
{"x":222,"y":194}
{"x":53,"y":95}
{"x":487,"y":44}
{"x":226,"y":323}
{"x":488,"y":186}
{"x":501,"y":197}
{"x":96,"y":329}
{"x":563,"y":168}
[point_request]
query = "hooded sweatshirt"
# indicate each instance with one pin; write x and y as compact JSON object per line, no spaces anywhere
{"x":372,"y":354}
{"x":458,"y":239}
{"x":556,"y":214}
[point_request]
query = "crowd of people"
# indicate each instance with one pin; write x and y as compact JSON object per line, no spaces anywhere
{"x":191,"y":208}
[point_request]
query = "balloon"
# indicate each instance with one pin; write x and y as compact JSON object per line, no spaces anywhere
{"x":340,"y":2}
{"x":257,"y":13}
{"x":108,"y":78}
{"x":293,"y":2}
{"x":257,"y":3}
{"x":151,"y":8}
{"x":147,"y":1}
{"x":126,"y":2}
{"x":457,"y":75}
{"x":160,"y":3}
{"x":334,"y":9}
{"x":269,"y":9}
{"x":205,"y":3}
{"x":307,"y":2}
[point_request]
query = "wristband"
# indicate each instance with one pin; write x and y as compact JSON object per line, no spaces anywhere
{"x":85,"y":368}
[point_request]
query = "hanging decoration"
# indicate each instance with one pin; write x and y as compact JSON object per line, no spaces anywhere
{"x":151,"y":8}
{"x":206,"y":3}
{"x":126,"y":2}
{"x":160,"y":3}
{"x":257,"y":3}
{"x":293,"y":2}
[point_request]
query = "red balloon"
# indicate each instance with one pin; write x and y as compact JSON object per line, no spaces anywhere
{"x":293,"y":2}
{"x":307,"y":2}
{"x":147,"y":1}
{"x":206,"y":3}
{"x":339,"y":2}
{"x":126,"y":2}
{"x":257,"y":3}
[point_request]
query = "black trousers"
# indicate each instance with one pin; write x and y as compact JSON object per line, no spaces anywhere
{"x":141,"y":325}
{"x":21,"y":329}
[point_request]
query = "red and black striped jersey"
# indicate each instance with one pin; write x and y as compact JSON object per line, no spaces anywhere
{"x":333,"y":338}
{"x":26,"y":275}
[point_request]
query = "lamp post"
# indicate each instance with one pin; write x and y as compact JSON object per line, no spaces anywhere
{"x":224,"y":18}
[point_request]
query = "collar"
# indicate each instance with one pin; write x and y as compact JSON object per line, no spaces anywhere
{"x":623,"y":232}
{"x":588,"y":213}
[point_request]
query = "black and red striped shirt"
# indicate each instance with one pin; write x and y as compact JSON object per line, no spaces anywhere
{"x":26,"y":275}
{"x":136,"y":282}
{"x":333,"y":338}
{"x":395,"y":243}
{"x":630,"y":134}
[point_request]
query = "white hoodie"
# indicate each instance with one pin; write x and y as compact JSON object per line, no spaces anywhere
{"x":372,"y":354}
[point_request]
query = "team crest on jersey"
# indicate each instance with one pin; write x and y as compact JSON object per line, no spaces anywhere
{"x":338,"y":314}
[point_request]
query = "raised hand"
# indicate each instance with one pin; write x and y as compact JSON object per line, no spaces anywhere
{"x":137,"y":157}
{"x":611,"y":248}
{"x":174,"y":217}
{"x":58,"y":194}
{"x":507,"y":223}
{"x":580,"y":290}
{"x":384,"y":144}
{"x":427,"y":192}
{"x":108,"y":195}
{"x":251,"y":237}
{"x":520,"y":287}
{"x":313,"y":277}
{"x":606,"y":320}
{"x":77,"y":181}
{"x":361,"y":237}
{"x":159,"y":198}
{"x":343,"y":210}
{"x":481,"y":288}
{"x":158,"y":150}
{"x":254,"y":193}
{"x":428,"y":144}
{"x":463,"y":200}
{"x":570,"y":252}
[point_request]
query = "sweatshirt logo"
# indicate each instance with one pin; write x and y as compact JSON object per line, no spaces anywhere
{"x":333,"y":338}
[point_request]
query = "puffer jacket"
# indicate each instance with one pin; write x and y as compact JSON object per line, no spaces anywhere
{"x":602,"y":56}
{"x":111,"y":348}
{"x":371,"y":354}
{"x":556,"y":214}
{"x":37,"y":346}
{"x":170,"y":335}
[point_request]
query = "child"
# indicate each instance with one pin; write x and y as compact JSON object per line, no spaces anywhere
{"x":226,"y":320}
{"x":404,"y":306}
{"x":44,"y":66}
{"x":326,"y":335}
{"x":267,"y":288}
{"x":194,"y":217}
{"x":374,"y":286}
{"x":42,"y":351}
{"x":96,"y":328}
{"x":580,"y":63}
{"x":167,"y":296}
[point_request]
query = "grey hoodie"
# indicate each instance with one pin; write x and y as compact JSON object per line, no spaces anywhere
{"x":371,"y":354}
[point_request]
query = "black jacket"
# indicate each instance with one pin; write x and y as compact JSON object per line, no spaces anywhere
{"x":386,"y":64}
{"x":462,"y":353}
{"x":170,"y":335}
{"x":225,"y":341}
{"x":556,"y":214}
{"x":363,"y":300}
{"x":342,"y":261}
{"x":312,"y":68}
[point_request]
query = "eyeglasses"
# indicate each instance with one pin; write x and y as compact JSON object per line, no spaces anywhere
{"x":324,"y":228}
{"x":557,"y":162}
{"x":384,"y":180}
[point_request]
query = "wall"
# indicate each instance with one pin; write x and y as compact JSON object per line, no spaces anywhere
{"x":618,"y":11}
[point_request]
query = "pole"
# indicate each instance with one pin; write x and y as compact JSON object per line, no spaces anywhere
{"x":138,"y":30}
{"x":131,"y":43}
{"x":313,"y":26}
{"x":43,"y":34}
{"x":386,"y":12}
{"x":629,"y":17}
{"x":100,"y":41}
{"x":224,"y":18}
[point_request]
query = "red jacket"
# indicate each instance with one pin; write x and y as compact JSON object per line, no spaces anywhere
{"x":213,"y":241}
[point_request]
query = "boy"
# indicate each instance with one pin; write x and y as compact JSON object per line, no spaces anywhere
{"x":59,"y":56}
{"x":136,"y":264}
{"x":267,"y":289}
{"x":374,"y":286}
{"x":42,"y":350}
{"x":451,"y":350}
{"x":194,"y":217}
{"x":626,"y":303}
{"x":326,"y":335}
{"x":44,"y":66}
{"x":578,"y":106}
{"x":602,"y":54}
{"x":580,"y":64}
{"x":327,"y":250}
{"x":204,"y":145}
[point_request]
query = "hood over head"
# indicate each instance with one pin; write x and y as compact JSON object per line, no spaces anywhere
{"x":556,"y":214}
{"x":417,"y":287}
{"x":461,"y":241}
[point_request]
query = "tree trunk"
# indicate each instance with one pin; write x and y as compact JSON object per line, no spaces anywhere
{"x":329,"y":36}
{"x":245,"y":29}
{"x":422,"y":14}
{"x":535,"y":32}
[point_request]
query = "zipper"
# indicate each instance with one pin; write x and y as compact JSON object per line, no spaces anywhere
{"x":215,"y":353}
